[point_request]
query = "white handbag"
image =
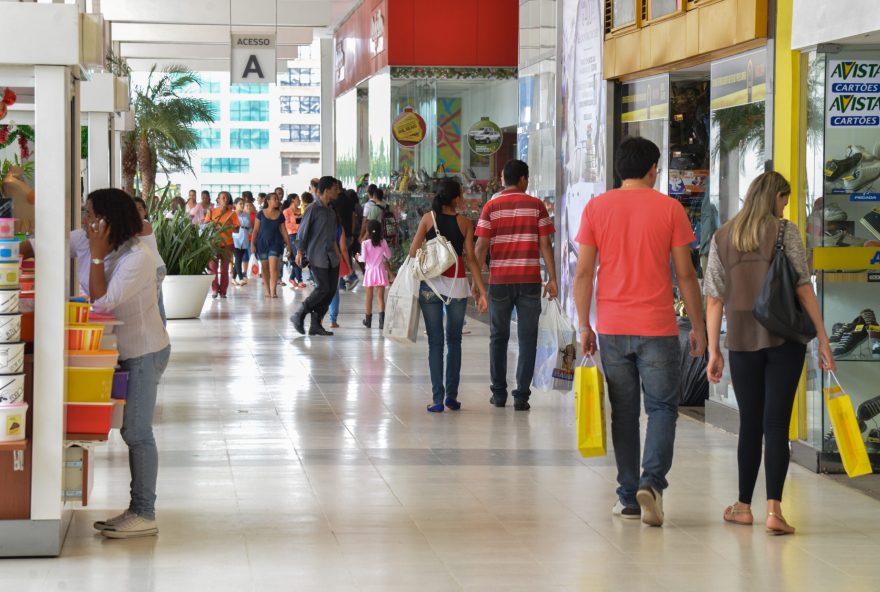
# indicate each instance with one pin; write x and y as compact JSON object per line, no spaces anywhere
{"x":435,"y":256}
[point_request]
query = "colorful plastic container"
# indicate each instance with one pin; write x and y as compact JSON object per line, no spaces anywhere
{"x":120,"y":385}
{"x":9,"y":250}
{"x":88,"y":418}
{"x":11,"y":358}
{"x":9,"y":275}
{"x":78,"y":313}
{"x":9,"y":301}
{"x":84,"y":337}
{"x":89,"y":385}
{"x":13,"y":423}
{"x":7,"y":228}
{"x":102,"y":358}
{"x":10,"y":328}
{"x":11,"y":390}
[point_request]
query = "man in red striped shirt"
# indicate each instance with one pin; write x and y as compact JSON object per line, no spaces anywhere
{"x":515,"y":229}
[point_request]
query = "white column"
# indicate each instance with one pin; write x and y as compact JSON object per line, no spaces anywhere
{"x":328,"y":105}
{"x":55,"y":105}
{"x":99,"y":151}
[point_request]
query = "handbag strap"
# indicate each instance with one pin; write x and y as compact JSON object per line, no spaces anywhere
{"x":780,"y":245}
{"x":434,"y":219}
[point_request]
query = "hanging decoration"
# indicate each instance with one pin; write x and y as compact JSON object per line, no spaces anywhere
{"x":8,"y":100}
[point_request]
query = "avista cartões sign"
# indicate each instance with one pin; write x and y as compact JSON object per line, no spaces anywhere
{"x":853,"y":93}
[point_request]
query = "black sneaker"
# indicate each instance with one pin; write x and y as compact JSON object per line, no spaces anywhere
{"x":625,"y":512}
{"x":850,"y":340}
{"x":497,"y":402}
{"x":319,"y":330}
{"x":835,"y":169}
{"x":869,"y":409}
{"x":837,"y":332}
{"x":521,"y":405}
{"x":298,"y":322}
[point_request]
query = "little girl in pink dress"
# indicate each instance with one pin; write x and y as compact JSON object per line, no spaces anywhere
{"x":375,"y":255}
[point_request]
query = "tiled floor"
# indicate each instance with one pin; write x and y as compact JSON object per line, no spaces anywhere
{"x":292,"y":463}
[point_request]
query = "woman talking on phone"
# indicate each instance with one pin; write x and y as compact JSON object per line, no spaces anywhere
{"x":118,"y":273}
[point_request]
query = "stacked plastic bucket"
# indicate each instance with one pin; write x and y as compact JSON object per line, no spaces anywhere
{"x":13,"y":408}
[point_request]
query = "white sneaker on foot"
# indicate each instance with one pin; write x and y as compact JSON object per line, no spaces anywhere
{"x":102,"y":524}
{"x":628,"y":513}
{"x":131,"y":527}
{"x":651,"y":503}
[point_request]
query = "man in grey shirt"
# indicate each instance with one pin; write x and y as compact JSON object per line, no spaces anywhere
{"x":317,"y":240}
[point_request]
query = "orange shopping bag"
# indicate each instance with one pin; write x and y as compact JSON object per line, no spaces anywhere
{"x":846,"y":430}
{"x":589,"y":401}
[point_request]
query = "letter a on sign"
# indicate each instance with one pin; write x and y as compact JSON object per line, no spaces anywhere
{"x":253,"y":59}
{"x":253,"y":67}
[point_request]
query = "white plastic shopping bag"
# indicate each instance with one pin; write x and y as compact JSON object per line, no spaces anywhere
{"x":556,"y":356}
{"x":402,"y":306}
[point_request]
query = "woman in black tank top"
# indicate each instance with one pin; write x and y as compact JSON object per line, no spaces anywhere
{"x":448,"y":293}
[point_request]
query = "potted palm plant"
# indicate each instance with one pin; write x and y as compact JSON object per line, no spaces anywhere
{"x":186,"y":250}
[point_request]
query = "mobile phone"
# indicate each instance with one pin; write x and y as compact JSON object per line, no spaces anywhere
{"x":871,"y":221}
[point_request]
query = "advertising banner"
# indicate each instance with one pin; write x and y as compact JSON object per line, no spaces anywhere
{"x":852,"y":128}
{"x":485,"y":137}
{"x":739,"y":80}
{"x":409,"y":129}
{"x":645,"y":99}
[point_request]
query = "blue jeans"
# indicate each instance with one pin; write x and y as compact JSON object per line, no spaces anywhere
{"x":631,"y":364}
{"x":334,"y":304}
{"x":432,"y":311}
{"x":296,"y":272}
{"x":503,"y":299}
{"x":144,"y":374}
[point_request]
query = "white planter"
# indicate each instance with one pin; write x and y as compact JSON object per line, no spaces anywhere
{"x":185,"y":295}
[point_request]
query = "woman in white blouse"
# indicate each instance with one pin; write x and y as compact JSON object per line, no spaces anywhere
{"x":118,"y":272}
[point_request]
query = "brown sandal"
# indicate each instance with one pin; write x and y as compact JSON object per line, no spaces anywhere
{"x":731,"y":512}
{"x":787,"y":529}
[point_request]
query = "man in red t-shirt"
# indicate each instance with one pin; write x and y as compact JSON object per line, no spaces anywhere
{"x":516,"y":229}
{"x":633,"y":231}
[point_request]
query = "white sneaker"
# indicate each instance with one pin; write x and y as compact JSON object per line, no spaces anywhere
{"x":102,"y":524}
{"x":864,"y":175}
{"x":627,"y":513}
{"x":833,"y":213}
{"x":651,"y":503}
{"x":131,"y":527}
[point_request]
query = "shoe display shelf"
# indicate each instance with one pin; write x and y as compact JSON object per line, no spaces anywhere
{"x":846,"y":260}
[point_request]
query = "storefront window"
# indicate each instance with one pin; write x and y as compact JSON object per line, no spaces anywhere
{"x":843,"y":178}
{"x":737,"y":153}
{"x":645,"y":113}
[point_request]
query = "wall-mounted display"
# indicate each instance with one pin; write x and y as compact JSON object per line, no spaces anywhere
{"x":485,"y":137}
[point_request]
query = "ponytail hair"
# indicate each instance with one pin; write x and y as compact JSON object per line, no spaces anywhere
{"x":374,"y":231}
{"x":447,"y":192}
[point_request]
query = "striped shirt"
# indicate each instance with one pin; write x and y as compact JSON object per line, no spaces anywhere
{"x":513,"y":222}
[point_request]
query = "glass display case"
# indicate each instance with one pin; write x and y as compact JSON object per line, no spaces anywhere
{"x":843,"y":225}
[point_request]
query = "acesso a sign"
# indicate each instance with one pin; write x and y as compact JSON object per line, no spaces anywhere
{"x":253,"y":59}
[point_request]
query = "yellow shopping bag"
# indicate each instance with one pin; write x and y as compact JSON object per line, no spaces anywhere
{"x":846,"y":430}
{"x":589,"y":401}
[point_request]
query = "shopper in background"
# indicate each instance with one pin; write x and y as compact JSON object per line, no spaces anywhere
{"x":345,"y":206}
{"x":224,"y":217}
{"x":120,"y":278}
{"x":313,"y":186}
{"x":149,"y":239}
{"x":516,"y":230}
{"x":633,"y":232}
{"x":241,"y":242}
{"x":316,"y":240}
{"x":452,"y":287}
{"x":376,"y":257}
{"x":261,"y":201}
{"x":344,"y":258}
{"x":292,"y":218}
{"x":206,"y":201}
{"x":765,"y":369}
{"x":194,"y":209}
{"x":269,"y":239}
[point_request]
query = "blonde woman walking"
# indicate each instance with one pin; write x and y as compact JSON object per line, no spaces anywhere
{"x":765,"y":368}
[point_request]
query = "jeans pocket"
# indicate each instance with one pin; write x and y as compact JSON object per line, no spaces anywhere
{"x":499,"y":293}
{"x":661,"y":352}
{"x":530,"y":291}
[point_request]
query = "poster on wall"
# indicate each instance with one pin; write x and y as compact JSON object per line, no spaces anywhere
{"x":409,"y":128}
{"x":645,"y":100}
{"x":485,"y":137}
{"x":740,"y":80}
{"x":582,"y":121}
{"x":852,"y":129}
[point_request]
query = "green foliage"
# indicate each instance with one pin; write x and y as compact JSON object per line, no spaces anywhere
{"x":185,"y":248}
{"x":741,"y":129}
{"x":84,"y":142}
{"x":28,"y":166}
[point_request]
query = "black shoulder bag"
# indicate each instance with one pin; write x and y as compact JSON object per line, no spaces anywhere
{"x":777,"y":306}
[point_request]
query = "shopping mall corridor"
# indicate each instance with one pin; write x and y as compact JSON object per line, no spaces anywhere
{"x":299,"y":464}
